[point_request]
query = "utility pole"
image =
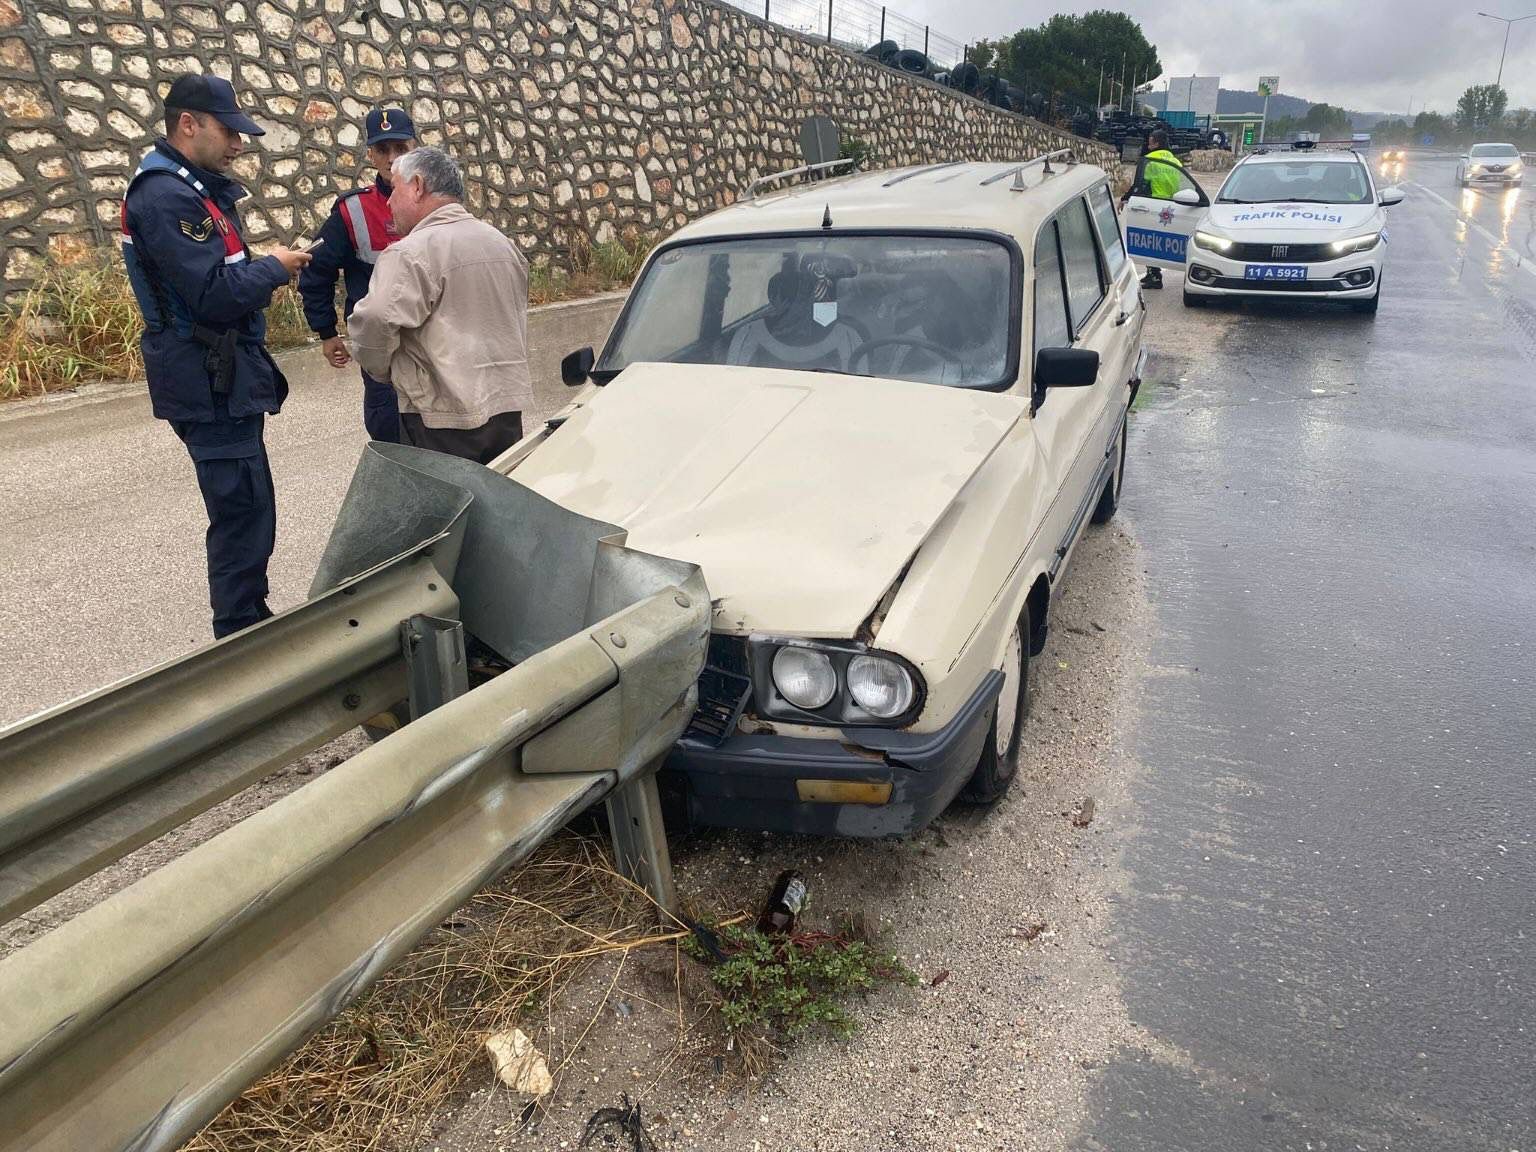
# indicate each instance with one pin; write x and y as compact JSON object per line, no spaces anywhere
{"x":1099,"y":100}
{"x":1508,"y":24}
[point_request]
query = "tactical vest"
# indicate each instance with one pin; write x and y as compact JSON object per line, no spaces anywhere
{"x":158,"y":301}
{"x":370,"y":226}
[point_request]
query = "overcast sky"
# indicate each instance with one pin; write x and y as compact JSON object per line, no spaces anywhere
{"x":1368,"y":55}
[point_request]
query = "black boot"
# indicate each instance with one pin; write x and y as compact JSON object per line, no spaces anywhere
{"x":1153,"y":278}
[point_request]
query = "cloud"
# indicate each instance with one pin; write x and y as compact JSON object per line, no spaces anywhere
{"x":1370,"y":55}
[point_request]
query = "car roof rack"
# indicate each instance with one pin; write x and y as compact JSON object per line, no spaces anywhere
{"x":1067,"y":155}
{"x":788,"y":173}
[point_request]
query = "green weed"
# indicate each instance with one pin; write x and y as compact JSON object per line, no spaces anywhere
{"x":787,"y":985}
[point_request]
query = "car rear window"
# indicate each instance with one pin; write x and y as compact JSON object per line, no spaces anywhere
{"x":1080,"y":257}
{"x":1109,"y":228}
{"x":936,"y":308}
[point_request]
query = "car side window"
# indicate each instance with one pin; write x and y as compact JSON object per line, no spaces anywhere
{"x":1160,"y":180}
{"x":1051,"y":327}
{"x":1109,"y":228}
{"x":1080,"y":261}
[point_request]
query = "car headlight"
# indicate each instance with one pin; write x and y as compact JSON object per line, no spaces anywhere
{"x":1515,"y":167}
{"x":881,"y":687}
{"x":804,"y":677}
{"x":1356,"y":243}
{"x":835,"y":682}
{"x":1212,"y":242}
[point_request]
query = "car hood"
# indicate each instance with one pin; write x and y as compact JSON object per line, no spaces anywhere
{"x":1301,"y":223}
{"x":801,"y":495}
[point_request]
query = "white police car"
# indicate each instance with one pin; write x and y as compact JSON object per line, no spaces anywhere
{"x":1293,"y":222}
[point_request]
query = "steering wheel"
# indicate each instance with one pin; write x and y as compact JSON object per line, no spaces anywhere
{"x":938,"y":350}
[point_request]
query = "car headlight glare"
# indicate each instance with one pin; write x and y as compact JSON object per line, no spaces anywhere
{"x":1212,"y":242}
{"x":881,"y":687}
{"x":1356,"y":243}
{"x":804,"y":677}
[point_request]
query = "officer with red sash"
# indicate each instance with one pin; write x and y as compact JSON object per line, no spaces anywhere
{"x":202,"y":296}
{"x":358,"y":229}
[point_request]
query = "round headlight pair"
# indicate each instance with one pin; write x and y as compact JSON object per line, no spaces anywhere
{"x":807,"y":679}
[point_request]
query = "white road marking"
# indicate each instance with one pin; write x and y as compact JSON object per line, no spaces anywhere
{"x":1493,"y":240}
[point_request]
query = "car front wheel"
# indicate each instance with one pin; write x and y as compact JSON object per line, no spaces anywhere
{"x":999,"y":762}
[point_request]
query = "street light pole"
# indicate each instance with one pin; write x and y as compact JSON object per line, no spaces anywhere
{"x":1508,"y":24}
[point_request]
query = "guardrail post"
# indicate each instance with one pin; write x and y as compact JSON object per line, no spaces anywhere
{"x":640,"y":838}
{"x":437,"y":670}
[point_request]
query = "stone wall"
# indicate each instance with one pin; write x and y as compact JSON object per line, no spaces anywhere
{"x":574,"y":120}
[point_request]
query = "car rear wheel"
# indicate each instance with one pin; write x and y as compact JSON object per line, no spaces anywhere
{"x":1109,"y":499}
{"x":999,"y":762}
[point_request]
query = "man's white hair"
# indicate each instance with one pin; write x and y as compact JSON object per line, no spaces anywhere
{"x":439,"y":172}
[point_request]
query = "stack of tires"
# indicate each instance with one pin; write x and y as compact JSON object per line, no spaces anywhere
{"x":988,"y":87}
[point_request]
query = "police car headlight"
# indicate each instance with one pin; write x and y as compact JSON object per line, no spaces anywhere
{"x":1356,"y":244}
{"x":1212,"y":242}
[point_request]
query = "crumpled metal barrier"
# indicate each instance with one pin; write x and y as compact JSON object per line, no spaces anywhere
{"x":132,"y":1024}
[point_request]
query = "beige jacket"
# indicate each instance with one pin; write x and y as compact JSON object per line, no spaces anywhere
{"x":446,"y":321}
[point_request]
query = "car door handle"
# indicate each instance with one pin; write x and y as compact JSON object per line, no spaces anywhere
{"x":1139,"y":208}
{"x":1122,"y":318}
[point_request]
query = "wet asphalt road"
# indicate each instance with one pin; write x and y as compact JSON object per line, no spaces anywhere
{"x":1327,"y":920}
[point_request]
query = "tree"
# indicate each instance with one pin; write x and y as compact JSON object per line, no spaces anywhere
{"x":1393,"y":130}
{"x":1432,"y":124}
{"x":1481,"y":106}
{"x":1064,"y":55}
{"x":1326,"y":120}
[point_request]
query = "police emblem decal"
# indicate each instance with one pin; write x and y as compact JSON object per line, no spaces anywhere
{"x":384,"y":121}
{"x":198,"y":232}
{"x":1165,"y":216}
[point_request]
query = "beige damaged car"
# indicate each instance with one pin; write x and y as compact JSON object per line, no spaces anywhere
{"x":878,"y":411}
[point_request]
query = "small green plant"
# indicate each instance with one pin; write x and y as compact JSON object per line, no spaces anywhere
{"x":790,"y":984}
{"x":858,"y":151}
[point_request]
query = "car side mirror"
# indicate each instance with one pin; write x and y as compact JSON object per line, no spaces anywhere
{"x":1066,"y":368}
{"x":1390,"y":196}
{"x":1187,"y":196}
{"x":576,"y":367}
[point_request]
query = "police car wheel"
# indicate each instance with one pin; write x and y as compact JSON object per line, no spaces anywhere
{"x":1194,"y":301}
{"x":1369,"y":306}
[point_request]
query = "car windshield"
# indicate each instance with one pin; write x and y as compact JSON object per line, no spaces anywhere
{"x":931,"y":308}
{"x":1509,"y":151}
{"x":1297,"y":181}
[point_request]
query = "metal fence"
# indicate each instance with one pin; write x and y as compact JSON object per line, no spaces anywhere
{"x":857,"y":25}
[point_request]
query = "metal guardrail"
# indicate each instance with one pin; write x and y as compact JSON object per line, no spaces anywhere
{"x":131,"y":1025}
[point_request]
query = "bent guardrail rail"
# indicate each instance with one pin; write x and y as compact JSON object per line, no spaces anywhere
{"x":129,"y":1026}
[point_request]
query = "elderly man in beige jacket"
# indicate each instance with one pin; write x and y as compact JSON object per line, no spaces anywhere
{"x":446,"y":317}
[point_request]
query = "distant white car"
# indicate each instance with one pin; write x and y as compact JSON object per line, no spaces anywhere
{"x":1490,"y":164}
{"x":1296,"y":222}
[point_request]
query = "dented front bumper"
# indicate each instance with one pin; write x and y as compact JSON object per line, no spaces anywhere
{"x":870,"y":783}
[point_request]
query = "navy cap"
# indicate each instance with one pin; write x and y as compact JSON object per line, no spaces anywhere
{"x":388,"y":124}
{"x":214,"y":95}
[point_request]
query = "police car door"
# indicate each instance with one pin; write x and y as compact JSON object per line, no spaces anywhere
{"x":1156,"y":229}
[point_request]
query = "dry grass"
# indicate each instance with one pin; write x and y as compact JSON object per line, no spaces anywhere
{"x":590,"y":269}
{"x":376,"y":1076}
{"x":79,"y":324}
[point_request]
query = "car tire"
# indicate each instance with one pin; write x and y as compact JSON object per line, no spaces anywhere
{"x":1368,"y":307}
{"x":999,"y":761}
{"x":1109,"y":499}
{"x":1192,"y":301}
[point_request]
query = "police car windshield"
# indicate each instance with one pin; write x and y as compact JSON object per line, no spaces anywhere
{"x":1297,"y":181}
{"x":934,"y":309}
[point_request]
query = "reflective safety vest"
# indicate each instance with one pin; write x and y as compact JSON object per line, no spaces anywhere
{"x":159,"y":304}
{"x":370,"y":226}
{"x":1162,"y":180}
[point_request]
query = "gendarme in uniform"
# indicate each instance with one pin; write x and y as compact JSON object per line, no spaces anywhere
{"x":209,"y":372}
{"x":357,"y":231}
